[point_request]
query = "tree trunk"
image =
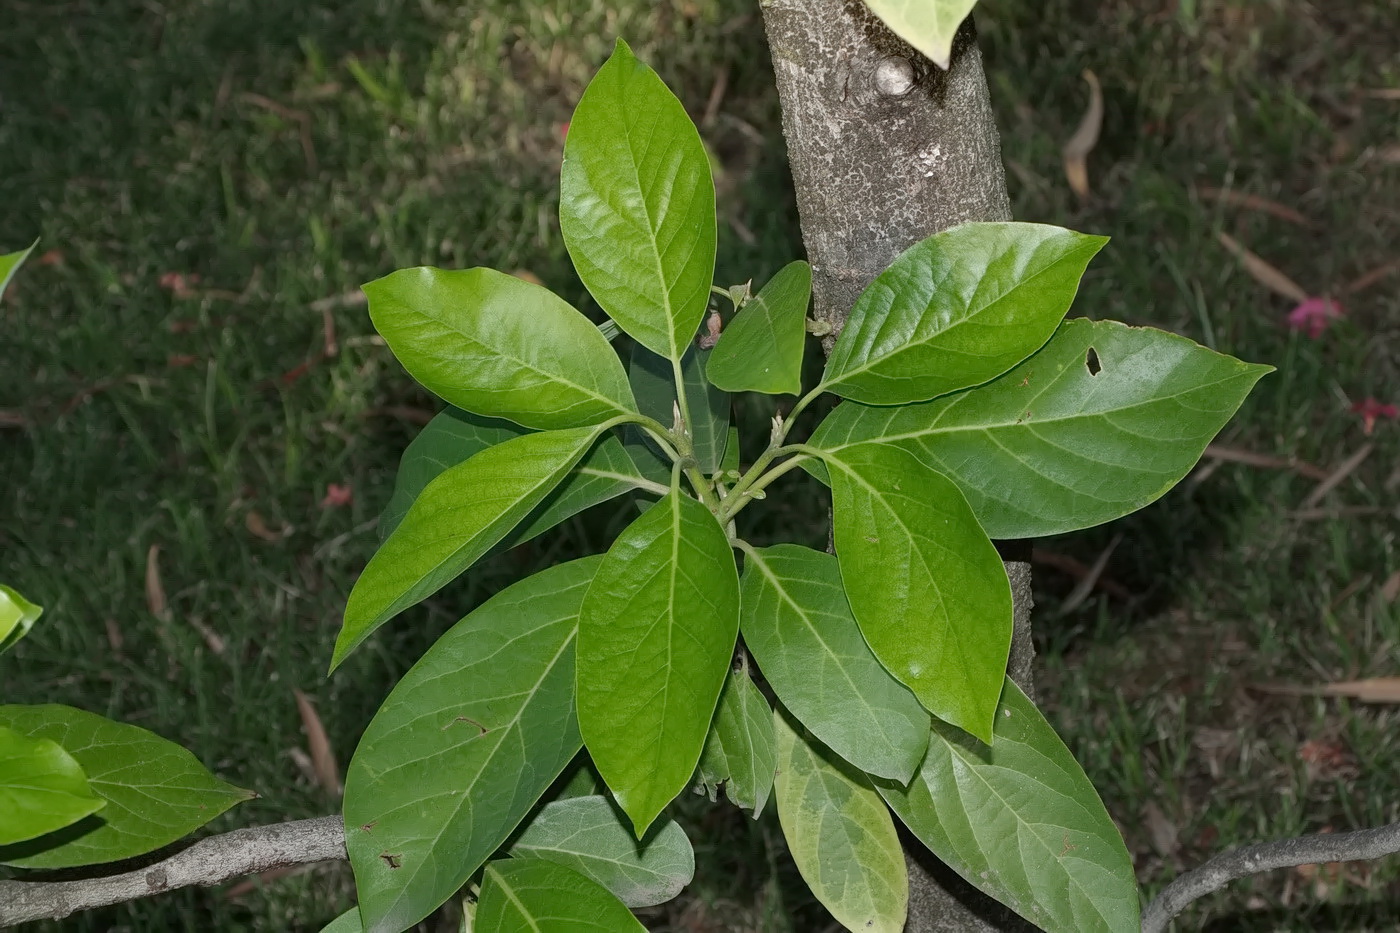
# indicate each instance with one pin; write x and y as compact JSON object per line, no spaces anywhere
{"x":886,"y":149}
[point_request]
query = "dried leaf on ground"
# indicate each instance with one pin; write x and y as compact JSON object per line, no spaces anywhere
{"x":1164,"y":834}
{"x":319,"y":744}
{"x":258,"y":527}
{"x":1250,"y":458}
{"x":1390,"y":589}
{"x":1085,"y":138}
{"x":1367,"y":279}
{"x":212,"y":639}
{"x":1263,"y":273}
{"x":155,"y":590}
{"x":1253,"y":202}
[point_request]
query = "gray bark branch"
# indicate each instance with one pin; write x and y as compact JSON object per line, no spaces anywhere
{"x":209,"y":861}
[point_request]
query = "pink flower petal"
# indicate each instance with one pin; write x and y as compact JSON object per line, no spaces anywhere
{"x":1314,"y":315}
{"x":337,"y":495}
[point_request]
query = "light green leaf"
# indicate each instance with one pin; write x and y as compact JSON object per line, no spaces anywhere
{"x":348,"y":922}
{"x":840,"y":835}
{"x":731,"y":451}
{"x":587,"y":834}
{"x":656,"y":634}
{"x":10,"y":263}
{"x":799,"y":628}
{"x":761,"y":349}
{"x":927,"y":25}
{"x":925,"y":583}
{"x":453,"y":522}
{"x":637,"y":205}
{"x":956,"y":310}
{"x":739,"y":751}
{"x":455,"y":436}
{"x":655,"y":389}
{"x":17,"y":617}
{"x":42,"y":788}
{"x":1051,"y":446}
{"x":463,"y":747}
{"x":155,"y":791}
{"x":500,"y":346}
{"x":530,"y":895}
{"x":580,"y":779}
{"x":1020,"y":820}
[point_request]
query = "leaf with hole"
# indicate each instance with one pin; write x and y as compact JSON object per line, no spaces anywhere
{"x":637,"y":205}
{"x":956,"y":310}
{"x":530,"y":894}
{"x":463,"y":747}
{"x":761,"y":349}
{"x":42,"y":788}
{"x":1020,"y":820}
{"x":739,"y":751}
{"x":17,"y":617}
{"x":927,"y":25}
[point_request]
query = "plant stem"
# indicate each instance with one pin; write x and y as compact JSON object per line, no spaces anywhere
{"x":737,"y":499}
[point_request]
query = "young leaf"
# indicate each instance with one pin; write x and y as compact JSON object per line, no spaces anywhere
{"x":1020,"y":820}
{"x":42,"y":788}
{"x":924,"y":581}
{"x":10,"y":263}
{"x":1102,"y":421}
{"x":840,"y":835}
{"x":17,"y":617}
{"x":463,"y":747}
{"x":799,"y":628}
{"x":656,"y":633}
{"x":455,"y":436}
{"x":637,"y":205}
{"x":500,"y":346}
{"x":530,"y":894}
{"x":739,"y":751}
{"x":455,"y":520}
{"x":927,"y":25}
{"x":761,"y":349}
{"x":956,"y":310}
{"x":587,"y":835}
{"x":155,"y":791}
{"x":655,"y":389}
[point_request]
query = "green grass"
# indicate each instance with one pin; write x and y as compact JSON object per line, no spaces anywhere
{"x":287,"y":157}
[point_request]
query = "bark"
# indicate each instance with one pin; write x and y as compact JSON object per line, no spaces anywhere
{"x":886,"y":149}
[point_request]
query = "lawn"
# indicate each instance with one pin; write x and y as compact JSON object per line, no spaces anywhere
{"x":190,"y":374}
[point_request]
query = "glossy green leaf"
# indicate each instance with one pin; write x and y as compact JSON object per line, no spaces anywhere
{"x":761,"y":349}
{"x":463,"y":747}
{"x":798,"y":626}
{"x":925,"y":583}
{"x":500,"y":346}
{"x":740,"y":752}
{"x":655,"y":387}
{"x":731,"y":452}
{"x":17,"y":617}
{"x":587,"y":834}
{"x":1057,"y":444}
{"x":927,"y":25}
{"x":455,"y":436}
{"x":530,"y":895}
{"x":580,"y":779}
{"x":348,"y":922}
{"x":1020,"y":820}
{"x":42,"y":788}
{"x":656,"y":634}
{"x":956,"y":310}
{"x":840,"y":835}
{"x":453,"y":522}
{"x":637,"y":205}
{"x":10,"y":263}
{"x":155,"y":791}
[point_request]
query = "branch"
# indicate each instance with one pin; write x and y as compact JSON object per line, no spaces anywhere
{"x":1251,"y":860}
{"x":209,"y":861}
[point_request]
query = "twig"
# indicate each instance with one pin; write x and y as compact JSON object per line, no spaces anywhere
{"x":1360,"y":845}
{"x":209,"y":861}
{"x":1335,"y":478}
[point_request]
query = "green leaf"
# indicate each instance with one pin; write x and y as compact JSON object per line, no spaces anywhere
{"x":761,"y":349}
{"x":655,"y":389}
{"x":1051,"y":446}
{"x":731,"y":452}
{"x":453,"y":522}
{"x":739,"y":751}
{"x":925,"y":583}
{"x":155,"y":791}
{"x":463,"y":747}
{"x":348,"y":922}
{"x":1020,"y":820}
{"x":10,"y":263}
{"x":799,"y":628}
{"x":637,"y":205}
{"x":656,"y":634}
{"x":956,"y":310}
{"x":455,"y":436}
{"x":17,"y":617}
{"x":587,"y":835}
{"x":531,"y":895}
{"x":42,"y":788}
{"x":498,"y":345}
{"x":840,"y":835}
{"x":927,"y":25}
